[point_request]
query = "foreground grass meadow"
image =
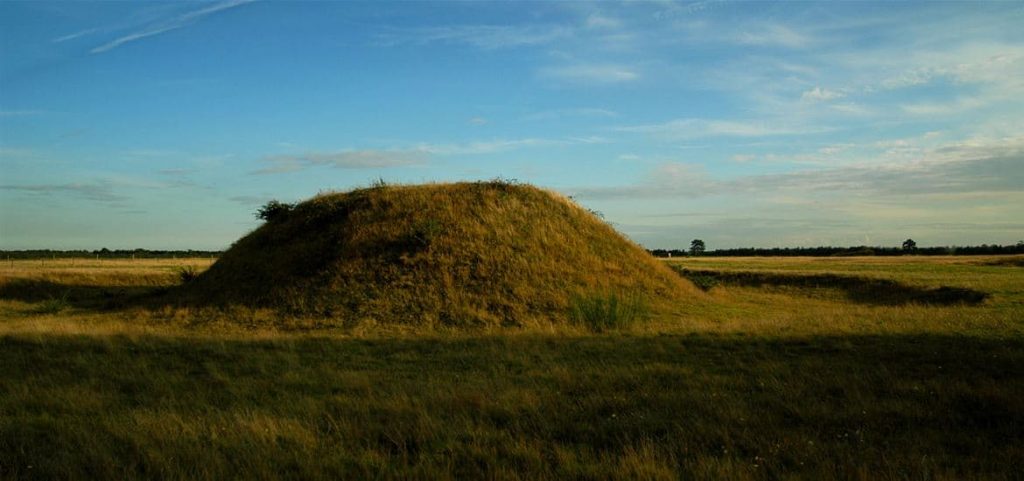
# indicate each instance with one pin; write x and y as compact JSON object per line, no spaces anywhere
{"x":790,"y":377}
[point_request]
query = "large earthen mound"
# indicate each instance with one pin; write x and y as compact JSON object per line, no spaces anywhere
{"x":483,"y":253}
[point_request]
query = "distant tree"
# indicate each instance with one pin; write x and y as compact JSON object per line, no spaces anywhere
{"x":273,"y":210}
{"x":909,"y":245}
{"x":696,"y":247}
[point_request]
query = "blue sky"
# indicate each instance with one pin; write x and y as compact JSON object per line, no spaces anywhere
{"x":165,"y":125}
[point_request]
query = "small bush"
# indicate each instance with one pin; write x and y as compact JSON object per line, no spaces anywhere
{"x":705,"y":283}
{"x":187,"y":274}
{"x":604,"y":312}
{"x":274,"y":210}
{"x":53,"y":305}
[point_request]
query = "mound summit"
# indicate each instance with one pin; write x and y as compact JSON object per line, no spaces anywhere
{"x":481,"y":253}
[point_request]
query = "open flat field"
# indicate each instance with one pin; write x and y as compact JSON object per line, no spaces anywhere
{"x":785,"y":368}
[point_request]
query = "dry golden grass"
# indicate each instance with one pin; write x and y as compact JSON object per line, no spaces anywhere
{"x":825,"y":311}
{"x":740,"y":383}
{"x":464,"y":255}
{"x":724,"y":310}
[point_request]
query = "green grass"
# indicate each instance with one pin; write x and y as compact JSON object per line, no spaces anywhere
{"x":608,"y":312}
{"x":770,"y":382}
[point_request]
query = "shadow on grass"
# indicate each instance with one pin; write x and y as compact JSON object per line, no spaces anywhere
{"x":96,"y":297}
{"x":863,"y":290}
{"x":694,"y":406}
{"x":1015,"y":261}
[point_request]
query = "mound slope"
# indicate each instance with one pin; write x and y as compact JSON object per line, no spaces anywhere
{"x":484,"y":253}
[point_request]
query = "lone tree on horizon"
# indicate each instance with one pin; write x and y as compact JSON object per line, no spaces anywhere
{"x":696,"y":247}
{"x":909,"y":245}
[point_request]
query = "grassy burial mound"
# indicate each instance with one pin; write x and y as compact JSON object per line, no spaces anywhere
{"x":463,"y":254}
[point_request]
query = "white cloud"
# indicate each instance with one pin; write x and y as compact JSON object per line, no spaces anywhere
{"x":958,"y":105}
{"x":774,"y":35}
{"x":482,"y":147}
{"x":851,"y":108}
{"x":599,"y":21}
{"x":977,"y":165}
{"x":487,"y":37}
{"x":75,"y":35}
{"x":411,"y":155}
{"x":818,"y":94}
{"x":94,"y":191}
{"x":590,"y":139}
{"x":996,"y":67}
{"x":21,"y":113}
{"x":908,"y":78}
{"x":346,"y":159}
{"x":669,"y":179}
{"x":576,"y":112}
{"x":478,"y":121}
{"x":695,"y":128}
{"x":599,"y":74}
{"x":173,"y":24}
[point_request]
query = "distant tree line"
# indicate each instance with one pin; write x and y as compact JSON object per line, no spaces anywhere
{"x":908,"y":247}
{"x":105,"y":253}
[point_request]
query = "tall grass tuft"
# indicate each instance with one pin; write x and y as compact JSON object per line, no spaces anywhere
{"x":609,"y":311}
{"x":53,"y":305}
{"x":187,"y":274}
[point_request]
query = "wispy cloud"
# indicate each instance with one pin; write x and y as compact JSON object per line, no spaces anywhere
{"x":177,"y":171}
{"x":175,"y":23}
{"x":954,"y":106}
{"x":95,"y":191}
{"x":818,"y":94}
{"x":593,"y":74}
{"x":486,"y":37}
{"x":75,"y":35}
{"x":554,"y":114}
{"x":10,"y":152}
{"x":484,"y":147}
{"x":21,"y":113}
{"x":251,"y":199}
{"x":682,"y":129}
{"x":771,"y":35}
{"x":669,"y":179}
{"x":347,"y":159}
{"x":600,"y":21}
{"x":410,"y":155}
{"x":972,"y":166}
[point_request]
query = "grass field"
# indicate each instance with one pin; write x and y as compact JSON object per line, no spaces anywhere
{"x":783,"y":378}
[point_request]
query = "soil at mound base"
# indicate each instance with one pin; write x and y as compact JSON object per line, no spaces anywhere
{"x":485,"y":253}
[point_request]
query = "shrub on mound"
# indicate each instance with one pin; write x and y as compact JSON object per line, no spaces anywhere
{"x":483,"y":253}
